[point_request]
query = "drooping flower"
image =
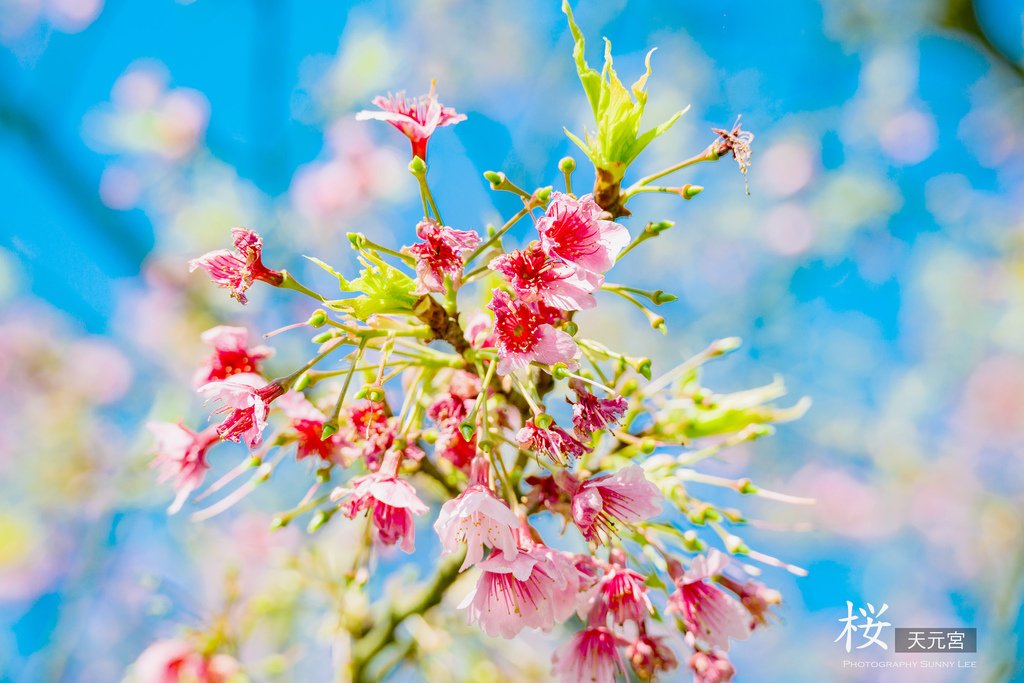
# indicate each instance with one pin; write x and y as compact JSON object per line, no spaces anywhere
{"x":591,"y":414}
{"x":232,"y":354}
{"x":711,"y":667}
{"x":737,"y":141}
{"x":307,"y":423}
{"x":554,"y":442}
{"x":649,"y":657}
{"x":623,"y":594}
{"x":246,"y":399}
{"x":477,"y":518}
{"x":417,"y":118}
{"x":535,"y":589}
{"x":237,"y":270}
{"x":180,"y":455}
{"x":480,"y":331}
{"x":573,"y":230}
{"x":176,"y":661}
{"x":440,"y":255}
{"x":755,"y":596}
{"x":591,"y":655}
{"x":523,"y":336}
{"x":390,"y":501}
{"x":535,"y":276}
{"x":624,"y":497}
{"x":708,"y":613}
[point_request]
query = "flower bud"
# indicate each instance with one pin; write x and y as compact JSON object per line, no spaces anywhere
{"x":301,"y":382}
{"x":318,"y":319}
{"x":643,"y":366}
{"x":357,"y":240}
{"x":570,"y":328}
{"x":746,"y":487}
{"x":647,"y":445}
{"x":567,"y":165}
{"x":495,"y":178}
{"x":689,"y":191}
{"x":723,"y":346}
{"x":659,"y":227}
{"x":467,"y":430}
{"x":543,"y":195}
{"x":328,"y":430}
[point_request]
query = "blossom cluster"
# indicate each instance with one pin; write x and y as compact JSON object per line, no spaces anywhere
{"x":462,"y":349}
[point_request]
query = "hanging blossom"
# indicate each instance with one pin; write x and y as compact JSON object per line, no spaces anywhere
{"x":246,"y":399}
{"x":181,"y":456}
{"x":237,"y":270}
{"x":554,"y":442}
{"x":538,"y":588}
{"x":592,"y":414}
{"x":599,"y":504}
{"x":707,"y":612}
{"x":649,"y":656}
{"x":451,"y":444}
{"x":390,"y":501}
{"x":476,"y":519}
{"x":573,"y":230}
{"x":524,"y":336}
{"x":591,"y":655}
{"x":232,"y":355}
{"x":622,"y":593}
{"x":755,"y":596}
{"x":416,"y":118}
{"x":440,"y":255}
{"x":711,"y":667}
{"x":534,"y":276}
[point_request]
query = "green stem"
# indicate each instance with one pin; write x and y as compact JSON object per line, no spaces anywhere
{"x":497,"y":236}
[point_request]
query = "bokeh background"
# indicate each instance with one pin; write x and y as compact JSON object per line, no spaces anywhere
{"x":878,"y":264}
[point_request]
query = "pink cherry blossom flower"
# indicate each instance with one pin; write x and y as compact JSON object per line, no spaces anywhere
{"x":477,"y":518}
{"x":175,"y":661}
{"x":711,"y":667}
{"x":649,"y":656}
{"x":554,"y":442}
{"x":573,"y":230}
{"x":307,"y":423}
{"x":246,"y":399}
{"x":181,"y":455}
{"x":592,"y":414}
{"x":623,"y":594}
{"x":524,"y":337}
{"x":237,"y":270}
{"x":708,"y":613}
{"x":535,"y":589}
{"x":440,"y":255}
{"x":591,"y":655}
{"x":232,"y":354}
{"x":416,"y":118}
{"x":755,"y":596}
{"x":624,"y":497}
{"x":535,"y":276}
{"x":390,"y":501}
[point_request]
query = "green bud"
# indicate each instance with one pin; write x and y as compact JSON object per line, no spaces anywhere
{"x":647,"y":446}
{"x":495,"y":178}
{"x":429,"y":436}
{"x":746,"y":487}
{"x":643,"y":366}
{"x":328,"y":430}
{"x":357,"y":240}
{"x":724,"y":346}
{"x":661,"y":297}
{"x":543,"y":195}
{"x":559,"y":371}
{"x":323,"y":475}
{"x":323,"y":337}
{"x":467,"y":430}
{"x":371,"y":392}
{"x":630,"y":386}
{"x":688,"y":191}
{"x":319,"y":518}
{"x":301,"y":382}
{"x":279,"y":522}
{"x":255,"y":461}
{"x":543,"y":420}
{"x":318,"y":319}
{"x":735,"y":545}
{"x":418,"y":167}
{"x":570,"y":328}
{"x":567,"y":165}
{"x":486,"y":446}
{"x":659,"y":227}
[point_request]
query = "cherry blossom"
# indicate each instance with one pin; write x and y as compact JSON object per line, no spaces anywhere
{"x":390,"y":501}
{"x":535,"y":276}
{"x":706,"y":611}
{"x":524,"y":336}
{"x":181,"y":456}
{"x":440,"y":255}
{"x":246,"y":399}
{"x":232,"y":354}
{"x":237,"y":270}
{"x":417,"y":118}
{"x":573,"y":230}
{"x":591,"y":655}
{"x":604,"y":501}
